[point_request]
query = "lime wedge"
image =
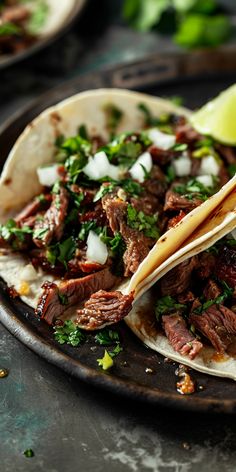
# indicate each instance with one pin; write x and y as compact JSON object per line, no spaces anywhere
{"x":218,"y":117}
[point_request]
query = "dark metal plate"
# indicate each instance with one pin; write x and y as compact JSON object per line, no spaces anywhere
{"x":128,"y":376}
{"x":10,"y":59}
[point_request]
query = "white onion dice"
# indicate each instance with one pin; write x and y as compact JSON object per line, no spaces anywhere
{"x":206,"y":180}
{"x":161,"y":140}
{"x":137,"y":170}
{"x":209,"y":166}
{"x":96,"y":249}
{"x":48,"y":175}
{"x":99,"y":166}
{"x":182,"y":165}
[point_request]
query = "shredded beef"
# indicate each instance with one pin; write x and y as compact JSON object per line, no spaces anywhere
{"x":227,"y":152}
{"x":104,"y":308}
{"x":53,"y":220}
{"x":156,"y":184}
{"x":55,"y":299}
{"x":178,"y":280}
{"x":179,"y":336}
{"x":176,"y":202}
{"x":226,"y":266}
{"x":217,"y":324}
{"x":211,"y":291}
{"x":176,"y":219}
{"x":186,"y":134}
{"x":161,"y":157}
{"x":206,"y":265}
{"x":137,"y":244}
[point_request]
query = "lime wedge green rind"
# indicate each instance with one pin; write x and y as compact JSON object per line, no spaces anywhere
{"x":218,"y":117}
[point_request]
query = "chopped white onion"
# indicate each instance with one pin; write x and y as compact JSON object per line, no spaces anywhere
{"x":48,"y":175}
{"x":209,"y":166}
{"x":206,"y":180}
{"x":28,"y":273}
{"x":96,"y":249}
{"x":161,"y":140}
{"x":99,"y":166}
{"x":182,"y":165}
{"x":137,"y":170}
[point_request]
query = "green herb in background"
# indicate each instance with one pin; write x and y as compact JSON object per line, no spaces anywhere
{"x":38,"y":17}
{"x":9,"y":29}
{"x":192,"y":23}
{"x":113,"y":117}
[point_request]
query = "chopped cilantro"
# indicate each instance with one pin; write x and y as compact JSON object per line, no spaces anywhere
{"x":63,"y":299}
{"x":104,"y":189}
{"x":86,"y":227}
{"x":56,"y":187}
{"x":62,"y":252}
{"x":113,"y":117}
{"x":205,"y":142}
{"x":40,"y":233}
{"x":38,"y":17}
{"x":107,"y":336}
{"x":179,"y":147}
{"x":142,"y":222}
{"x":9,"y":29}
{"x":116,"y":243}
{"x":166,"y":305}
{"x":11,"y":229}
{"x":28,"y":453}
{"x":69,"y":333}
{"x":150,"y":120}
{"x":74,"y":165}
{"x":83,"y":132}
{"x":170,"y":174}
{"x":227,"y":293}
{"x":194,"y":187}
{"x":59,"y":140}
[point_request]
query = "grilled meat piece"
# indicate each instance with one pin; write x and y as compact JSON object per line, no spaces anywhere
{"x":186,"y":134}
{"x":211,"y":291}
{"x":227,"y":152}
{"x":178,"y":279}
{"x":104,"y":308}
{"x":156,"y":184}
{"x":52,"y":224}
{"x":160,"y":156}
{"x":179,"y":336}
{"x":176,"y":202}
{"x":217,"y":324}
{"x":226,"y":266}
{"x":206,"y":265}
{"x":55,"y":299}
{"x":138,"y":245}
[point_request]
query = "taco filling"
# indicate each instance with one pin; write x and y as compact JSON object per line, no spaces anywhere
{"x":196,"y":301}
{"x":103,"y":204}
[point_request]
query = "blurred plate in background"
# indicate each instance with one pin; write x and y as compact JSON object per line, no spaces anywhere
{"x":61,"y":15}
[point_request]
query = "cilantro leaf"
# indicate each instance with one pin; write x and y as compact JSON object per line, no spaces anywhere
{"x":113,"y":117}
{"x":69,"y":333}
{"x":227,"y":293}
{"x":107,"y":336}
{"x":232,"y":170}
{"x":166,"y":305}
{"x":142,"y":222}
{"x":61,"y":251}
{"x":11,"y":229}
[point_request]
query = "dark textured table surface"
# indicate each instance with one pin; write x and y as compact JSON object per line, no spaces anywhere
{"x":69,"y":425}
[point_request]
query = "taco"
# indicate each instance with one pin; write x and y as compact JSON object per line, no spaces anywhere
{"x":97,"y":194}
{"x":23,"y":23}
